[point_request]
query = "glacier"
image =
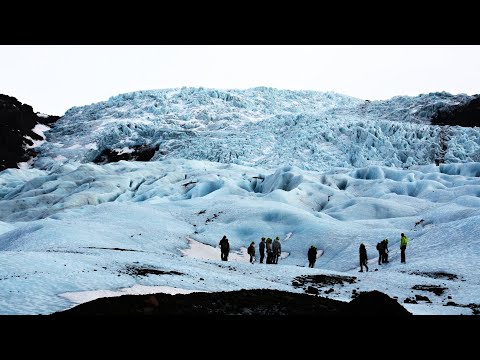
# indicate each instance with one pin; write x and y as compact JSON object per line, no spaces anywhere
{"x":313,"y":168}
{"x":264,"y":127}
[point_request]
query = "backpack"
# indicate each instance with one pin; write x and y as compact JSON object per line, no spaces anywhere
{"x":249,"y":250}
{"x":378,"y":246}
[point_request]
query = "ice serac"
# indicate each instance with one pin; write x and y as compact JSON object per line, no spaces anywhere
{"x":262,"y":127}
{"x":18,"y":132}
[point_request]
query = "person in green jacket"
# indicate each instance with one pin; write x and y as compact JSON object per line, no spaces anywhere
{"x":403,"y":247}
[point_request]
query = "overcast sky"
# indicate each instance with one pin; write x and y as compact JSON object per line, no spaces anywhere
{"x":54,"y":78}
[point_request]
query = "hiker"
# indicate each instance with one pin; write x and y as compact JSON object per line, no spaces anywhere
{"x":224,"y":248}
{"x":251,"y":252}
{"x":277,"y":250}
{"x":312,"y":256}
{"x":363,"y":257}
{"x":385,"y":251}
{"x":269,"y":250}
{"x":261,"y":248}
{"x":381,"y":249}
{"x":403,"y":247}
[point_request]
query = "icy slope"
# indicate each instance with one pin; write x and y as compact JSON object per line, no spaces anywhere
{"x":262,"y":127}
{"x":85,"y":227}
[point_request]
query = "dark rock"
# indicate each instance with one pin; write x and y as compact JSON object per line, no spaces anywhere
{"x":436,"y":289}
{"x":409,"y":301}
{"x":422,"y":298}
{"x":152,"y":300}
{"x":141,"y":271}
{"x":466,"y":115}
{"x":242,"y":302}
{"x":451,"y":303}
{"x":139,"y":153}
{"x":322,"y":280}
{"x":17,"y":121}
{"x":375,"y":303}
{"x":312,"y":290}
{"x":436,"y":275}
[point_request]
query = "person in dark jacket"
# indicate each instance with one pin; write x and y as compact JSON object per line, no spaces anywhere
{"x":312,"y":256}
{"x":251,"y":252}
{"x":268,"y":244}
{"x":381,"y":250}
{"x":261,"y":248}
{"x":363,"y":257}
{"x":277,"y":250}
{"x":224,"y":248}
{"x":385,"y":251}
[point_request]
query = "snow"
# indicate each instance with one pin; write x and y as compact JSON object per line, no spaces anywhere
{"x":75,"y":146}
{"x":5,"y":227}
{"x":25,"y":164}
{"x":424,"y":309}
{"x":124,"y":150}
{"x":313,"y":168}
{"x":85,"y":296}
{"x":199,"y":250}
{"x":91,"y":146}
{"x":40,"y":130}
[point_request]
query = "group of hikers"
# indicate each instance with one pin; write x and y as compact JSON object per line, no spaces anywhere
{"x":274,"y":249}
{"x":382,"y":248}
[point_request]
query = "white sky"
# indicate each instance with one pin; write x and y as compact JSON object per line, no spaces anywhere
{"x":54,"y":78}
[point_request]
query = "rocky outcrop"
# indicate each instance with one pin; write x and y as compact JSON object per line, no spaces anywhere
{"x":466,"y":115}
{"x":17,"y":121}
{"x":137,"y":153}
{"x":375,"y":303}
{"x":242,"y":302}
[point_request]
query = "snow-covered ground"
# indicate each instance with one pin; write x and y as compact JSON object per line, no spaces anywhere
{"x":79,"y":231}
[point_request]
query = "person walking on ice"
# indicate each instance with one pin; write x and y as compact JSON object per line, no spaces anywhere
{"x":363,"y":257}
{"x":403,"y":247}
{"x":312,"y":256}
{"x":224,"y":248}
{"x":381,"y":249}
{"x":251,"y":252}
{"x":277,"y":250}
{"x":261,"y":248}
{"x":385,"y":251}
{"x":268,"y":244}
